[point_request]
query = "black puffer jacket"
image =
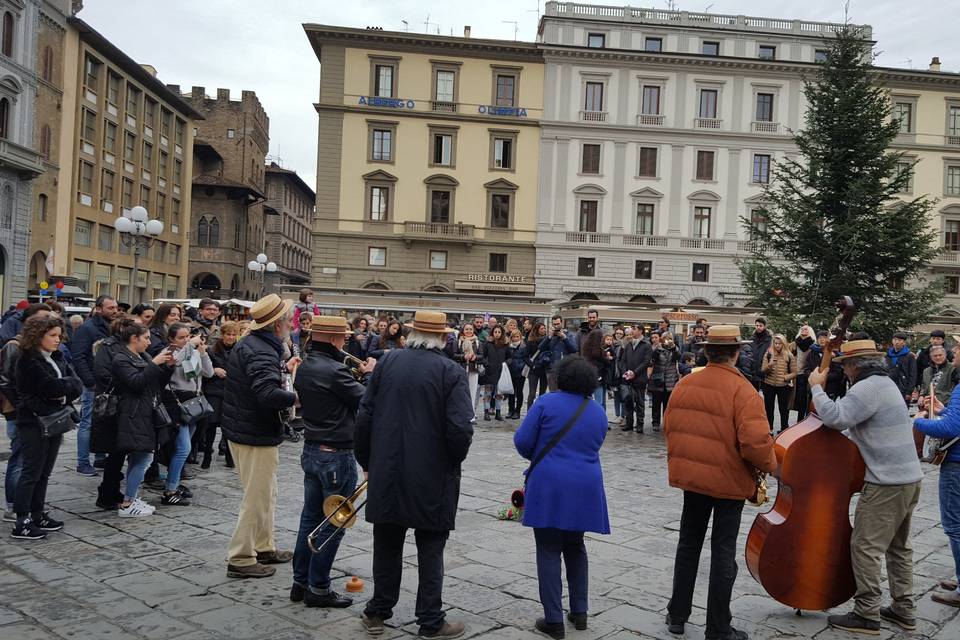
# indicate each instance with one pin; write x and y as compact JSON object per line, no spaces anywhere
{"x":254,"y":394}
{"x":330,"y":397}
{"x":81,"y":348}
{"x":103,"y":432}
{"x":138,"y":381}
{"x":214,"y":388}
{"x":496,"y":356}
{"x":158,"y":340}
{"x":9,"y":355}
{"x":665,"y":373}
{"x":40,"y":391}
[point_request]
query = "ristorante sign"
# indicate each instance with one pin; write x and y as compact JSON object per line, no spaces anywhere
{"x":496,"y":282}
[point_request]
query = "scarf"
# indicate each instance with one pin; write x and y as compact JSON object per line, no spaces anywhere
{"x":896,"y":355}
{"x":270,"y":338}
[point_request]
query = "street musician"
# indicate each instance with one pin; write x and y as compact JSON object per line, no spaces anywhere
{"x":330,"y":395}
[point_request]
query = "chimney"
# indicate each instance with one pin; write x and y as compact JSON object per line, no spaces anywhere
{"x":935,"y":64}
{"x":466,"y":31}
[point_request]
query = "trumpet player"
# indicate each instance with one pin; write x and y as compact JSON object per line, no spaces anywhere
{"x":329,"y":395}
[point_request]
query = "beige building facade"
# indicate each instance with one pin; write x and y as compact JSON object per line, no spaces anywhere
{"x":289,"y":224}
{"x":429,"y":149}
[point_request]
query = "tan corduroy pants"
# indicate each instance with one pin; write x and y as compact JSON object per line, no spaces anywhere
{"x":258,"y":476}
{"x":881,"y":529}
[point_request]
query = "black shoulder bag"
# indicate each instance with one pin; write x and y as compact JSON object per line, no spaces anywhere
{"x":517,"y":497}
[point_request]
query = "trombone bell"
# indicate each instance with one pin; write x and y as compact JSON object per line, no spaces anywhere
{"x":340,"y":511}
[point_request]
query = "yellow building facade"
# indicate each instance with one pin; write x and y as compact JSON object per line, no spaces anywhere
{"x":428,"y":154}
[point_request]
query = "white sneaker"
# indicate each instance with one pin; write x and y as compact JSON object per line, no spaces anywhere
{"x":145,"y":505}
{"x":135,"y":510}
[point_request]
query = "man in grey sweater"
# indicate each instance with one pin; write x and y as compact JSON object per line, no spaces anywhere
{"x":876,"y":420}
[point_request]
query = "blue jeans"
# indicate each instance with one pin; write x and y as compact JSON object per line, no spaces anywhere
{"x":184,"y":433}
{"x":950,"y":508}
{"x":14,"y":465}
{"x":552,"y":545}
{"x":325,"y":473}
{"x":137,"y":464}
{"x":617,"y":403}
{"x":600,"y":396}
{"x":83,"y":429}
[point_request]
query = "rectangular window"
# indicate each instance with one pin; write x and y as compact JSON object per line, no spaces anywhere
{"x":383,"y":81}
{"x":231,"y":134}
{"x":82,"y":232}
{"x":586,"y":267}
{"x":704,"y":165}
{"x":89,"y":126}
{"x":145,"y":197}
{"x":710,"y":48}
{"x":133,"y":101}
{"x":708,"y":103}
{"x":165,"y":118}
{"x":178,"y":128}
{"x":701,"y":222}
{"x":443,"y":149}
{"x":758,"y":223}
{"x":445,"y":82}
{"x":588,"y":216}
{"x":177,"y":172}
{"x":590,"y":161}
{"x":147,"y":156}
{"x":644,"y":219}
{"x":906,"y":168}
{"x":92,"y":73}
{"x":701,"y":272}
{"x":105,"y":238}
{"x":951,"y":237}
{"x":159,"y":251}
{"x":952,"y":285}
{"x":503,"y":153}
{"x":440,"y":206}
{"x":643,"y":269}
{"x":506,"y":87}
{"x":438,"y":259}
{"x":653,"y":44}
{"x":953,"y":120}
{"x":379,"y":203}
{"x":767,"y":52}
{"x":953,"y":181}
{"x":106,"y":187}
{"x":162,"y":168}
{"x":161,"y":208}
{"x":650,"y":104}
{"x":764,"y":107}
{"x":110,"y":137}
{"x":127,"y":194}
{"x":175,"y":215}
{"x":149,"y":111}
{"x":173,"y":254}
{"x":648,"y":162}
{"x":86,"y":178}
{"x":761,"y":168}
{"x":382,"y":145}
{"x":498,"y":263}
{"x":113,"y":89}
{"x":81,"y":271}
{"x":593,"y":100}
{"x":820,"y":55}
{"x":903,"y":112}
{"x":377,"y":256}
{"x":500,"y":211}
{"x":596,"y":40}
{"x":129,"y":147}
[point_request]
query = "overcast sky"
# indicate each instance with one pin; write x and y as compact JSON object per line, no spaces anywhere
{"x":235,"y":44}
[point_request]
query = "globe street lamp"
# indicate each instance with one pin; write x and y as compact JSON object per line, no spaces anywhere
{"x":137,"y":231}
{"x":261,"y":266}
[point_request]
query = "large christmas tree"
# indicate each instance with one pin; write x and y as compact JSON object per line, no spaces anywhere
{"x":834,"y":225}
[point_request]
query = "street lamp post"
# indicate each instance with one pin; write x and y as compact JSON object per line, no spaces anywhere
{"x":261,"y":267}
{"x":137,"y":231}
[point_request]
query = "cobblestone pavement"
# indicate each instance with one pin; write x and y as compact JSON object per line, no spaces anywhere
{"x":164,"y":576}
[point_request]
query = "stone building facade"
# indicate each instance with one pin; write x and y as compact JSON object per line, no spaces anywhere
{"x":229,"y":189}
{"x":289,"y":223}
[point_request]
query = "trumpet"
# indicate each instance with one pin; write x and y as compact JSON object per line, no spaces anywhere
{"x":340,"y":512}
{"x":354,"y":363}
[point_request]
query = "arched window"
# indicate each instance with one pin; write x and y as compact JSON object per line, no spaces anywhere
{"x":42,"y":208}
{"x":213,"y":238}
{"x":45,"y":139}
{"x":235,"y":284}
{"x":7,"y":46}
{"x":6,"y":208}
{"x":203,"y":231}
{"x":4,"y":118}
{"x":47,"y":66}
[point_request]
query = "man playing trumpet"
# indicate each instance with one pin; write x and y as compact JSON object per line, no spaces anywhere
{"x":330,"y":395}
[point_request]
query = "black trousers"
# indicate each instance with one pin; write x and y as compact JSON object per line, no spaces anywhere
{"x":538,"y":385}
{"x":723,"y":561}
{"x":38,"y":457}
{"x":516,"y":400}
{"x":388,"y":566}
{"x":660,"y":400}
{"x":802,"y":397}
{"x":635,"y":404}
{"x":109,"y":489}
{"x":782,"y":397}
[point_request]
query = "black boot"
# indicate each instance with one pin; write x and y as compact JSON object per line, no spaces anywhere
{"x":229,"y":459}
{"x":499,"y":417}
{"x":553,"y":629}
{"x":486,"y":415}
{"x":207,"y":455}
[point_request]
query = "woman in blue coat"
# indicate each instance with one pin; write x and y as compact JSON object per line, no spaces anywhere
{"x":564,"y":494}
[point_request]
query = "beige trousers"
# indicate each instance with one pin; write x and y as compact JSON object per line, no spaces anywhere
{"x":258,"y":476}
{"x":881,"y":528}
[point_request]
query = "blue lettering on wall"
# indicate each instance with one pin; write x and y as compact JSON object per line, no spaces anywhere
{"x":393,"y":103}
{"x":516,"y":112}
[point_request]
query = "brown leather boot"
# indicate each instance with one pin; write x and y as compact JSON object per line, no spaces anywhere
{"x":951,"y":598}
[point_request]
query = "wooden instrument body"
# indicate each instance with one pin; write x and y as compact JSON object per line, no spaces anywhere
{"x":799,"y":551}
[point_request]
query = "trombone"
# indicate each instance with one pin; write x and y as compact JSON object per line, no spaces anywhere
{"x":340,"y":512}
{"x":354,"y":363}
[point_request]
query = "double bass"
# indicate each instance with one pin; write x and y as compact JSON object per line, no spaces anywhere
{"x":799,"y":551}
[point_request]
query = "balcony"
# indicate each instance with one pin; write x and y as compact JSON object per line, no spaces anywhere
{"x":765,"y":127}
{"x":948,"y":257}
{"x":660,"y":244}
{"x":648,"y":120}
{"x":444,"y":232}
{"x":27,"y":162}
{"x":593,"y":116}
{"x":587,"y":237}
{"x":644,"y":241}
{"x":707,"y":123}
{"x":444,"y":107}
{"x":952,"y":141}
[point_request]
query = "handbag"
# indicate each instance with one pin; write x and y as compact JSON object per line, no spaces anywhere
{"x":105,"y":405}
{"x":58,"y":422}
{"x":517,"y":498}
{"x":525,"y":372}
{"x":195,"y":409}
{"x":161,"y":417}
{"x":505,"y":383}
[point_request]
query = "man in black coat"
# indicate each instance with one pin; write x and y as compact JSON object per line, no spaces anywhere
{"x":254,"y":398}
{"x":902,"y":366}
{"x":937,"y":338}
{"x":413,"y":432}
{"x":636,"y":357}
{"x":97,"y":327}
{"x":760,"y":342}
{"x":330,"y":399}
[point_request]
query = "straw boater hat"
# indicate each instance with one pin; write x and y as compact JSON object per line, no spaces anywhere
{"x":855,"y":348}
{"x":329,"y":325}
{"x":429,"y":322}
{"x":724,"y":335}
{"x":268,"y":310}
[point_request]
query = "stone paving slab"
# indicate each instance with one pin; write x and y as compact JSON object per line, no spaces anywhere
{"x":164,"y":576}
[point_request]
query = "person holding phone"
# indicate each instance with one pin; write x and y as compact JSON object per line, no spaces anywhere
{"x":779,"y":369}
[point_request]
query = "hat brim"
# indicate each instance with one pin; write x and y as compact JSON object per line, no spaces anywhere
{"x":856,"y":354}
{"x":343,"y":332}
{"x":735,"y":343}
{"x":284,"y":310}
{"x":411,"y":325}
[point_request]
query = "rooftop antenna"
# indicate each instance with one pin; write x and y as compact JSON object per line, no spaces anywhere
{"x":709,"y":6}
{"x":427,"y":23}
{"x":909,"y":62}
{"x":516,"y":29}
{"x":406,"y":25}
{"x":672,"y":5}
{"x":537,"y":10}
